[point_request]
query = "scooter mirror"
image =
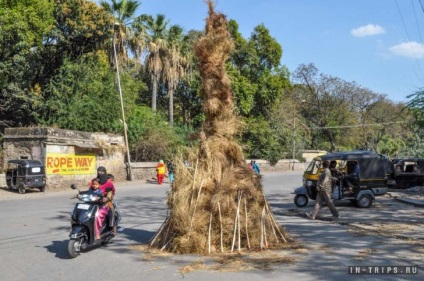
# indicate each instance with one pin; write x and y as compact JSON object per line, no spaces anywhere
{"x":73,"y":186}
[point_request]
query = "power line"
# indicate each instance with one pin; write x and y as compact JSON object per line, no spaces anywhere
{"x":409,"y":38}
{"x":422,"y":4}
{"x":416,"y":20}
{"x":359,"y":125}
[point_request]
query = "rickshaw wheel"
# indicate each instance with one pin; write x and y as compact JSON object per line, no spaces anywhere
{"x":300,"y":200}
{"x":42,"y":189}
{"x":21,"y":190}
{"x":365,"y":201}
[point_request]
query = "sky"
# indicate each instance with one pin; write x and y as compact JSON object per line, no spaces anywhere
{"x":376,"y":43}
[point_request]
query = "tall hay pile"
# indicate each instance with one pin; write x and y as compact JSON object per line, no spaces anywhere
{"x":217,"y":204}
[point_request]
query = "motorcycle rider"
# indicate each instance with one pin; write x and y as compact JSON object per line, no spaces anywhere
{"x":108,"y":190}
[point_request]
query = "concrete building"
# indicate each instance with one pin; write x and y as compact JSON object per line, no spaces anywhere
{"x":69,"y":156}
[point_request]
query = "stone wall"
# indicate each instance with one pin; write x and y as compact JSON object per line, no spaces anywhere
{"x":281,"y":165}
{"x":143,"y":170}
{"x":147,"y":170}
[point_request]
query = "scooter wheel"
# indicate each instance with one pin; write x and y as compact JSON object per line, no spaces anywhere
{"x":22,"y":190}
{"x":300,"y":200}
{"x":74,"y":246}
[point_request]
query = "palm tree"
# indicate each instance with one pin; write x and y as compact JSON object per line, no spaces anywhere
{"x":173,"y":68}
{"x":156,"y":45}
{"x":123,"y":11}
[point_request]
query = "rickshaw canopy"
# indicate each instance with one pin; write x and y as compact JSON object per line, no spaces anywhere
{"x":371,"y":164}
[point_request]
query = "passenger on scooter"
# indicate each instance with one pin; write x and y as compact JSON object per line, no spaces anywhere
{"x":108,"y":190}
{"x":111,"y":178}
{"x":95,"y":186}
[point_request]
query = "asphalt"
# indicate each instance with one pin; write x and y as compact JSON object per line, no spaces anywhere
{"x":390,"y":233}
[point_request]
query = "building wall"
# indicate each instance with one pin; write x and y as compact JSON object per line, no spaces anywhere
{"x":311,"y":154}
{"x":69,"y":156}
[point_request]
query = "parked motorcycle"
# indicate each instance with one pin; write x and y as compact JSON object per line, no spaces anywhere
{"x":83,"y":223}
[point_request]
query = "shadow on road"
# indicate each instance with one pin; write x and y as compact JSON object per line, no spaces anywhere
{"x":59,"y":248}
{"x":137,"y":235}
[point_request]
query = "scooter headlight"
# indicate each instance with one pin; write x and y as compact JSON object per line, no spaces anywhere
{"x":309,"y":183}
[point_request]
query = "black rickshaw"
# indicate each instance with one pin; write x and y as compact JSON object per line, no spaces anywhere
{"x":407,"y":172}
{"x":362,"y":177}
{"x":25,"y":174}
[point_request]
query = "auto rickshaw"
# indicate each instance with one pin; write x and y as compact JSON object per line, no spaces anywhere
{"x":407,"y":172}
{"x":25,"y":174}
{"x":363,"y":176}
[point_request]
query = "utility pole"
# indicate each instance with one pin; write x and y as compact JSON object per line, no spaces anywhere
{"x":130,"y":175}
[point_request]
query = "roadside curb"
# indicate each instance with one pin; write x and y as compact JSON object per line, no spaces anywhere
{"x":413,"y":202}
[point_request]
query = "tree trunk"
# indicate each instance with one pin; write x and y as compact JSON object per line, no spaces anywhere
{"x":171,"y":107}
{"x":154,"y":91}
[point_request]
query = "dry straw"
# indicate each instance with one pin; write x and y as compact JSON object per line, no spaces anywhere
{"x":217,"y":204}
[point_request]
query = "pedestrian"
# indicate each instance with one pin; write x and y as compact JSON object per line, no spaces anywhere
{"x":255,"y":167}
{"x":161,"y":171}
{"x":171,"y":170}
{"x":323,"y":193}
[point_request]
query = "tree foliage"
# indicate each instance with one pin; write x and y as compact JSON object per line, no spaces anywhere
{"x":57,"y":68}
{"x":23,"y":26}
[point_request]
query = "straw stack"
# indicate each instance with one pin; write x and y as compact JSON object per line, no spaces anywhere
{"x":217,"y":203}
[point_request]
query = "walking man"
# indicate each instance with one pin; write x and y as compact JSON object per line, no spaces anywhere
{"x":323,"y":193}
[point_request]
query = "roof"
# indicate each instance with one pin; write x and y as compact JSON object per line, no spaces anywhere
{"x":26,"y":162}
{"x":371,"y":164}
{"x":351,"y":155}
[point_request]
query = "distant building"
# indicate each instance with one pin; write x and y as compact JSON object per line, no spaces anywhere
{"x":69,"y":156}
{"x":311,"y":154}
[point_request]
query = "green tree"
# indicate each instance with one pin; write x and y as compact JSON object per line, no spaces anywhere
{"x":81,"y":27}
{"x":156,"y":47}
{"x":173,"y":66}
{"x":188,"y":109}
{"x":258,"y":77}
{"x":151,"y":138}
{"x":258,"y":82}
{"x":328,"y":105}
{"x":82,"y":96}
{"x":23,"y":26}
{"x":127,"y":36}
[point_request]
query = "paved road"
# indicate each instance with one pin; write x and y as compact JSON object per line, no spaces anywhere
{"x":35,"y":226}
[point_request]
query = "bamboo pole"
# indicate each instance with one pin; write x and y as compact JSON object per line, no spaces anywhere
{"x":220,"y":226}
{"x":152,"y":241}
{"x":170,"y":239}
{"x":247,"y":232}
{"x":209,"y":233}
{"x":194,"y":182}
{"x":263,"y":230}
{"x":262,"y":233}
{"x":166,"y":234}
{"x":238,"y":220}
{"x":275,"y":223}
{"x":195,"y":205}
{"x":235,"y":225}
